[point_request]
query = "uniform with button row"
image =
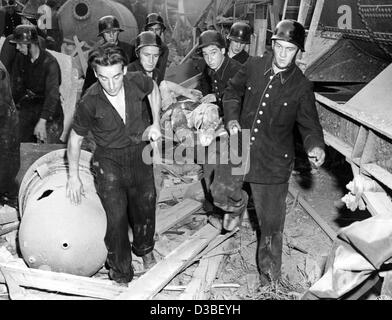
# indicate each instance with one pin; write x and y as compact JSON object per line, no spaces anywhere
{"x":273,"y":103}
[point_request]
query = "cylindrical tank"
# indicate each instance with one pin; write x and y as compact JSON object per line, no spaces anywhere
{"x":55,"y":234}
{"x":80,"y":18}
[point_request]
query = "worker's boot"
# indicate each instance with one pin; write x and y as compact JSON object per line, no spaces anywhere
{"x":148,"y":260}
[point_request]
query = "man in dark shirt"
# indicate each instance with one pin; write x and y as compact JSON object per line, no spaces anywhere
{"x":9,"y":142}
{"x":36,"y":88}
{"x":148,"y":46}
{"x":219,"y":70}
{"x":8,"y":51}
{"x":276,"y":96}
{"x":154,"y":23}
{"x":109,"y":29}
{"x":239,"y":37}
{"x":112,"y":111}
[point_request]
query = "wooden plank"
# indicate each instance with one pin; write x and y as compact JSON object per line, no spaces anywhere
{"x":260,"y":26}
{"x":378,"y":203}
{"x":303,"y":11}
{"x":379,"y":173}
{"x":313,"y":25}
{"x":7,"y":228}
{"x":8,"y":214}
{"x":149,"y":284}
{"x":312,"y":212}
{"x":200,"y":286}
{"x":168,"y":218}
{"x":82,"y":58}
{"x":60,"y":282}
{"x":284,"y":9}
{"x":274,"y":14}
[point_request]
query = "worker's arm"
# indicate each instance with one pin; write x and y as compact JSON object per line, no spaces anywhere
{"x":154,"y":132}
{"x":74,"y":185}
{"x":179,"y":90}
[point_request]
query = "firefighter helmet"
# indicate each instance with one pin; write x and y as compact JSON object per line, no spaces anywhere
{"x":240,"y":32}
{"x":154,"y":18}
{"x":108,"y":23}
{"x":24,"y":34}
{"x":290,"y":31}
{"x":211,"y":37}
{"x":147,"y":38}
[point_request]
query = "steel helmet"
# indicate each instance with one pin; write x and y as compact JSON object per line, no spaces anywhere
{"x":290,"y":31}
{"x":154,"y":18}
{"x":147,"y":38}
{"x":108,"y":23}
{"x":211,"y":37}
{"x":24,"y":34}
{"x":240,"y":32}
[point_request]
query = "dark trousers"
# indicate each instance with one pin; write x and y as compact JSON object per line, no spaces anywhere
{"x":224,"y":188}
{"x":270,"y":206}
{"x":125,"y":186}
{"x":29,"y":114}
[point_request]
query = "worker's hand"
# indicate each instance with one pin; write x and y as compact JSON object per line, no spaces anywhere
{"x":316,"y":156}
{"x":193,"y":94}
{"x":75,"y":190}
{"x":209,"y":98}
{"x":234,"y":127}
{"x":154,"y":132}
{"x":40,"y":130}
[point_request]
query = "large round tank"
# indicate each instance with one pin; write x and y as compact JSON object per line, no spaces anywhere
{"x":55,"y":234}
{"x":80,"y":17}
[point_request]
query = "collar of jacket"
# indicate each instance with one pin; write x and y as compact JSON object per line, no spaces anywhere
{"x":284,"y":75}
{"x":139,"y":67}
{"x":221,"y":70}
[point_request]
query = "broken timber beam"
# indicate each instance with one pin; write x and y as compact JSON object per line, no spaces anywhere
{"x":316,"y":217}
{"x":168,"y":218}
{"x":154,"y":280}
{"x":200,"y":286}
{"x":22,"y":276}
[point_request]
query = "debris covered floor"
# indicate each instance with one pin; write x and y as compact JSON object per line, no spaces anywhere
{"x":228,"y":270}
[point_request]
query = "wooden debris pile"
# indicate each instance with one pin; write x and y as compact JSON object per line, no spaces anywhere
{"x":186,"y":247}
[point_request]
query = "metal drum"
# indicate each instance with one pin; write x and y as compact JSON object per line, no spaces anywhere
{"x":80,"y":18}
{"x":55,"y":234}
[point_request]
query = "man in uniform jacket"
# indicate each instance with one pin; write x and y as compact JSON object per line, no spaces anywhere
{"x":219,"y":67}
{"x":111,"y":110}
{"x":35,"y":89}
{"x":276,"y":97}
{"x":154,"y":23}
{"x":109,"y":29}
